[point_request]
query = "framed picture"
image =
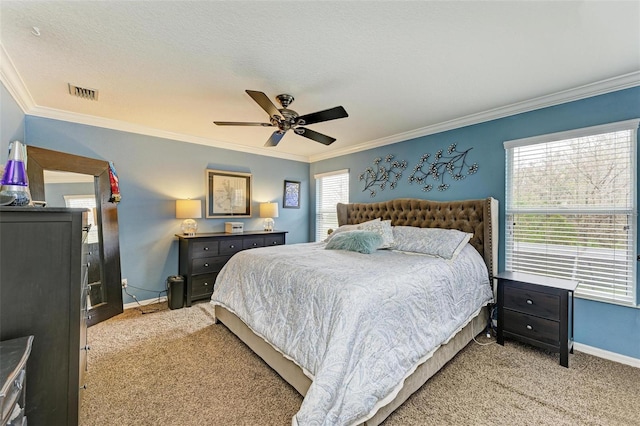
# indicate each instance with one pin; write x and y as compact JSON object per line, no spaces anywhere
{"x":291,"y":198}
{"x":228,"y":194}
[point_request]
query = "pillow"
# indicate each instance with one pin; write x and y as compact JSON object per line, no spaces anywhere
{"x":444,"y":243}
{"x":361,"y":241}
{"x":382,"y":227}
{"x":344,"y":228}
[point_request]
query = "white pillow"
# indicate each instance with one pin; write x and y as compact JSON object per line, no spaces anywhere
{"x":344,"y":228}
{"x":443,"y":243}
{"x":382,"y":227}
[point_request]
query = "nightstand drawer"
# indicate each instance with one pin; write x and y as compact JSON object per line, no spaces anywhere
{"x":205,"y":265}
{"x":274,"y":240}
{"x":204,"y":248}
{"x":249,"y":243}
{"x":540,"y":329}
{"x":532,"y":302}
{"x":230,"y":246}
{"x":203,"y":285}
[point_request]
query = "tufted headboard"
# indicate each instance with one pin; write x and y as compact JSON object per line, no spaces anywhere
{"x":479,"y":217}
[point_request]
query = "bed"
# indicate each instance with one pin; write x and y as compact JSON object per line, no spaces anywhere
{"x":328,"y":335}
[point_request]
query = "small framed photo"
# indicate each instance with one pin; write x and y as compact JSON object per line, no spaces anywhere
{"x":291,"y":198}
{"x":228,"y":194}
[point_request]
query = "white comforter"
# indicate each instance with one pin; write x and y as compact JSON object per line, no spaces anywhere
{"x":358,"y":324}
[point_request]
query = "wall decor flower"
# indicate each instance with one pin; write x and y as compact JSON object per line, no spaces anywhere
{"x":384,"y":172}
{"x":453,"y":163}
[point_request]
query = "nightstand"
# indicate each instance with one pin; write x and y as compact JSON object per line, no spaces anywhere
{"x":536,"y":310}
{"x":203,"y":255}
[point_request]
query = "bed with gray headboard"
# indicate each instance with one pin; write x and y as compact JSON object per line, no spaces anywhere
{"x":230,"y":298}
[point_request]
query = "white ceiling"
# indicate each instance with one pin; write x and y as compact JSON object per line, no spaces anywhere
{"x":400,"y":69}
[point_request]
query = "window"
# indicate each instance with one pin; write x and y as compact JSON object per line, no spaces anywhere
{"x":87,"y":202}
{"x":571,"y":209}
{"x":331,"y":188}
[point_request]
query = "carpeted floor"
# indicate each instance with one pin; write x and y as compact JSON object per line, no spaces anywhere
{"x":175,"y":367}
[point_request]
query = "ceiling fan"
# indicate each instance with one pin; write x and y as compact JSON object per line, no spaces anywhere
{"x":286,"y":119}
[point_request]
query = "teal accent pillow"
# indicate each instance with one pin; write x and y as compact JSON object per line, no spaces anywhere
{"x":361,"y":241}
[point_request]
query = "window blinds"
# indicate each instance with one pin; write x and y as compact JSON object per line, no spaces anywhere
{"x":331,"y":188}
{"x":571,"y":209}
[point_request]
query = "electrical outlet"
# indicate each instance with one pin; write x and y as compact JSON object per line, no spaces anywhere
{"x":124,"y":283}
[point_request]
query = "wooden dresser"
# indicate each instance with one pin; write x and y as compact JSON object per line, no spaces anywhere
{"x":43,"y":294}
{"x":202,"y":256}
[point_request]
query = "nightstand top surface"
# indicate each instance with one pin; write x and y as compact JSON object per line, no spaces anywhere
{"x":564,"y":284}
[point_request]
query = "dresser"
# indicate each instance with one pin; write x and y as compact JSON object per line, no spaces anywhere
{"x":43,"y":294}
{"x":536,"y":310}
{"x":202,"y":256}
{"x":14,"y":354}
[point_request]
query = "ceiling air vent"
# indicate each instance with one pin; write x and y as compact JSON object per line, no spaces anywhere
{"x":83,"y":92}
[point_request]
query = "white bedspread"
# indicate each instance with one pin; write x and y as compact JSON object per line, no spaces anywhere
{"x":358,"y":324}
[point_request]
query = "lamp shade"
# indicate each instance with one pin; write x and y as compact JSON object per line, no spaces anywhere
{"x":188,"y":209}
{"x":268,"y":210}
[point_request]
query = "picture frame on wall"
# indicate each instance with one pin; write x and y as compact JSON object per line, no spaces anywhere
{"x":228,"y":194}
{"x":291,"y":197}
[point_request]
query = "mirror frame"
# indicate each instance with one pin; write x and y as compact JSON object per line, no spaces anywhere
{"x":40,"y":159}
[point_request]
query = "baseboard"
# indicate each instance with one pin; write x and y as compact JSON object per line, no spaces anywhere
{"x":611,"y":356}
{"x":145,"y":302}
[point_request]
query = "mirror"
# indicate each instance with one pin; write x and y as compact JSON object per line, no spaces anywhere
{"x":105,"y":290}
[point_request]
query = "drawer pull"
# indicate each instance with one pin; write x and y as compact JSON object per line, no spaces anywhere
{"x":232,"y":246}
{"x":255,"y":244}
{"x":83,"y":387}
{"x":529,"y":327}
{"x":274,"y":243}
{"x":206,"y":284}
{"x":206,"y":265}
{"x":206,"y":249}
{"x":529,"y":302}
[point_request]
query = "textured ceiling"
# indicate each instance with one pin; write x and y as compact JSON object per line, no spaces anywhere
{"x":400,"y":69}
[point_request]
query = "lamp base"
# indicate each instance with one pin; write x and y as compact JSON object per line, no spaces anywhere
{"x":189,"y":227}
{"x":268,"y":224}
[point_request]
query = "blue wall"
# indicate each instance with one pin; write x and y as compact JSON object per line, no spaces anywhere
{"x":606,"y":326}
{"x":153,"y":173}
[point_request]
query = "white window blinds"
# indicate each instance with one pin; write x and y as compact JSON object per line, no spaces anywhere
{"x":87,"y":202}
{"x":571,"y":209}
{"x":331,"y":188}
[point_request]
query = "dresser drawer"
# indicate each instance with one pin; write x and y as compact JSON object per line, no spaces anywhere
{"x":204,"y":248}
{"x":532,"y":302}
{"x":206,"y":265}
{"x":540,"y":329}
{"x":274,"y":240}
{"x":255,"y":242}
{"x":202,"y":285}
{"x":230,"y":246}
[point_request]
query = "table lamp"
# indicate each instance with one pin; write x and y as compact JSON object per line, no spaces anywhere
{"x":189,"y":210}
{"x":268,"y":211}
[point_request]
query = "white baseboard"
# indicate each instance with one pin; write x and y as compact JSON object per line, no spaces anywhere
{"x":611,"y":356}
{"x":145,"y":302}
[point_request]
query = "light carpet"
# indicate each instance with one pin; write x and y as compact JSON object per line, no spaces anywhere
{"x":176,"y":367}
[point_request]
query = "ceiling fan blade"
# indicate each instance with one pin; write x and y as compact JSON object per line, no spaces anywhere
{"x":313,"y":135}
{"x":275,"y":138}
{"x":264,"y":102}
{"x":241,"y":123}
{"x":326,"y":115}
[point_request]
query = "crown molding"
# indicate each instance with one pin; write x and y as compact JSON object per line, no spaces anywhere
{"x":10,"y":77}
{"x":124,"y":126}
{"x":614,"y":84}
{"x":13,"y":82}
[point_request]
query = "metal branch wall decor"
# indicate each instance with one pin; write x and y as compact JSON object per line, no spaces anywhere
{"x":382,"y":173}
{"x":454,"y":164}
